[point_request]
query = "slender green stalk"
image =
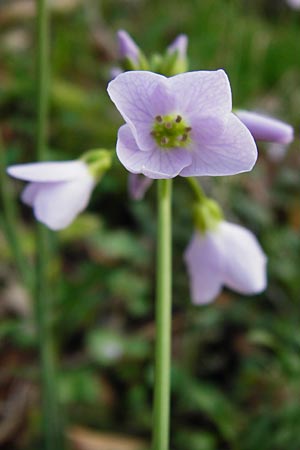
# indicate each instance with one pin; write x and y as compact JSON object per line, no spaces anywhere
{"x":196,"y":188}
{"x":163,"y":319}
{"x":50,"y":410}
{"x":10,"y":221}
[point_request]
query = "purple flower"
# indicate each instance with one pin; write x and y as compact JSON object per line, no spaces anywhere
{"x":266,"y":128}
{"x":57,"y":191}
{"x":138,"y":185}
{"x":127,"y":47}
{"x":229,"y":255}
{"x":180,"y":125}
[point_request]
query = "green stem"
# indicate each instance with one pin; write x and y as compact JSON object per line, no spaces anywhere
{"x":163,"y":319}
{"x":197,"y":189}
{"x":50,"y":410}
{"x":9,"y":221}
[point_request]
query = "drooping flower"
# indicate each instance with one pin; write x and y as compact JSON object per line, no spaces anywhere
{"x":138,"y":185}
{"x":228,"y":255}
{"x":266,"y":128}
{"x":181,"y":125}
{"x":59,"y":191}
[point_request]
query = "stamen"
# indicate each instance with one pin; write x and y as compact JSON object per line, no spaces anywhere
{"x":178,"y":119}
{"x":187,"y":129}
{"x":164,"y":140}
{"x":159,"y":119}
{"x":184,"y":137}
{"x":168,"y":125}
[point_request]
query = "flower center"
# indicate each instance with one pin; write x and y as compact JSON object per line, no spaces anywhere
{"x":171,"y":131}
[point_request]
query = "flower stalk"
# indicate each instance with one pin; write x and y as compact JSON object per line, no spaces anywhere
{"x":163,"y":319}
{"x":50,"y":410}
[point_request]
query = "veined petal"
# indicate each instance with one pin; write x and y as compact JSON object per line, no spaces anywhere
{"x":159,"y":163}
{"x":232,"y":152}
{"x":204,"y":266}
{"x":244,"y":268}
{"x":140,"y":96}
{"x":45,"y":172}
{"x":57,"y":204}
{"x":202,"y":92}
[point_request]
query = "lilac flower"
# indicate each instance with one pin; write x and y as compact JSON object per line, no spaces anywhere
{"x":138,"y":185}
{"x":266,"y":128}
{"x":57,"y":191}
{"x":127,"y":47}
{"x":180,"y":125}
{"x":229,"y":255}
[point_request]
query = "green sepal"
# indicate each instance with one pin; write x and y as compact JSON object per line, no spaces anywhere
{"x":98,"y":161}
{"x":173,"y":64}
{"x":142,"y":64}
{"x":207,"y":215}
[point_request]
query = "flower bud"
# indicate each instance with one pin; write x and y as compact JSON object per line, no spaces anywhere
{"x":264,"y":128}
{"x":131,"y":56}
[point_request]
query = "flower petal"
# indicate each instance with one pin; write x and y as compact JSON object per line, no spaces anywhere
{"x":232,"y":152}
{"x":57,"y":204}
{"x":140,"y":96}
{"x":153,"y":164}
{"x":244,"y":267}
{"x":49,"y":171}
{"x":204,"y":266}
{"x":202,"y":92}
{"x":29,"y":193}
{"x":138,"y":185}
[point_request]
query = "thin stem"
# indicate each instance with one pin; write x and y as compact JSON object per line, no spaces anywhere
{"x":50,"y":410}
{"x":163,"y":319}
{"x":10,"y":221}
{"x":196,"y":188}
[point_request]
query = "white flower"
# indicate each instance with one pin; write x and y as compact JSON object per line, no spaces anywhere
{"x":229,"y":255}
{"x":57,"y":191}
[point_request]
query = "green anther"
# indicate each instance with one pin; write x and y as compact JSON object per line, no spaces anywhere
{"x":171,"y":131}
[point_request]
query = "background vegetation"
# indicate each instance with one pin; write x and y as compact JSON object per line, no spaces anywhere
{"x":236,"y":362}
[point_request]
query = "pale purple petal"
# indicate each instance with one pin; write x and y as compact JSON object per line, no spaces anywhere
{"x":232,"y":152}
{"x":29,"y":193}
{"x":204,"y":265}
{"x":138,"y":185}
{"x":140,"y":96}
{"x":127,"y":47}
{"x":266,"y":128}
{"x":244,"y":268}
{"x":153,"y":164}
{"x":179,"y":45}
{"x":57,"y":204}
{"x":49,"y":171}
{"x":202,"y":92}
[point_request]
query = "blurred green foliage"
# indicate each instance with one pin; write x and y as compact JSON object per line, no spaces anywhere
{"x":235,"y":379}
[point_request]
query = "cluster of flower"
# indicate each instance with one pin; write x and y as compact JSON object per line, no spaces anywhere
{"x":179,"y":124}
